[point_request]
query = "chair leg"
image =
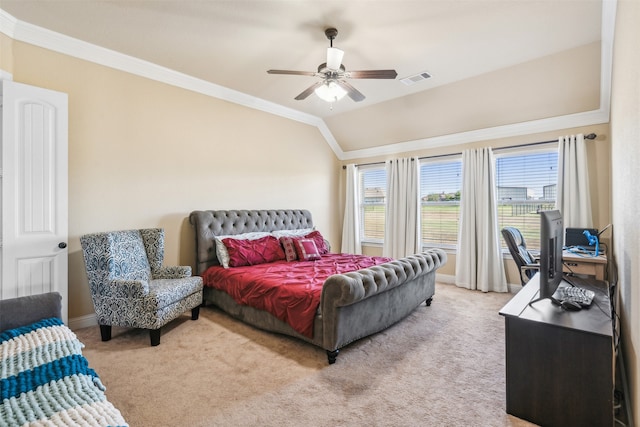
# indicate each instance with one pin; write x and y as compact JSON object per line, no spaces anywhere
{"x":195,"y":313}
{"x":105,"y":332}
{"x":154,"y":334}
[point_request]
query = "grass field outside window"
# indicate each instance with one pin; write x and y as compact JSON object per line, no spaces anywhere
{"x":522,"y":215}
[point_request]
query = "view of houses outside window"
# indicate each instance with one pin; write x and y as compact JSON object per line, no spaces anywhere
{"x":526,"y":184}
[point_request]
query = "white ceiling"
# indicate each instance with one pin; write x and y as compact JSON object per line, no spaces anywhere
{"x":233,"y":42}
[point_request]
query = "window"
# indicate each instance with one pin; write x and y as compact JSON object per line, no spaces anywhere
{"x":373,"y":195}
{"x":440,"y":184}
{"x":526,"y":184}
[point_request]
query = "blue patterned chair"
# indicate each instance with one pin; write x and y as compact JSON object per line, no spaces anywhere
{"x":129,"y":285}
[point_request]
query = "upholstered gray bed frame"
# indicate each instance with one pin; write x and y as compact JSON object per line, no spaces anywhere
{"x":352,"y":305}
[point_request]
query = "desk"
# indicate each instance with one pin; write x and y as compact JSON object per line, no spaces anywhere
{"x":560,"y":364}
{"x":589,"y":265}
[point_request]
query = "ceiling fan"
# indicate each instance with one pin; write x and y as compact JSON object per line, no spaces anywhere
{"x":333,"y":73}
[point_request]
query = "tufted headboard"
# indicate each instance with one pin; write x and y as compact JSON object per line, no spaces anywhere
{"x":221,"y":223}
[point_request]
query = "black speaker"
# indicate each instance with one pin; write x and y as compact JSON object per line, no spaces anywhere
{"x":575,"y":237}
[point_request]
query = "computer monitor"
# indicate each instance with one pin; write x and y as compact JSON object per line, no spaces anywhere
{"x":551,"y":244}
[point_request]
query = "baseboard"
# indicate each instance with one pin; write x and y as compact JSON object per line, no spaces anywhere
{"x":83,"y":322}
{"x":514,"y":288}
{"x":446,"y":279}
{"x":449,"y":279}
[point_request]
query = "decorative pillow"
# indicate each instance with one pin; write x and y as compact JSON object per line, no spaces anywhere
{"x":319,"y":240}
{"x":221,"y":249}
{"x":252,"y":252}
{"x":306,"y":249}
{"x":300,"y":232}
{"x":289,"y":248}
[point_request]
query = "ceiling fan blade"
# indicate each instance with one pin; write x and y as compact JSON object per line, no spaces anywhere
{"x":371,"y":74}
{"x":296,"y":73}
{"x":308,"y":91}
{"x":353,"y":93}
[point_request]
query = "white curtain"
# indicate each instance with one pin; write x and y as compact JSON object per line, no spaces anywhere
{"x":573,"y":198}
{"x":402,"y":213}
{"x":479,"y":263}
{"x":351,"y":224}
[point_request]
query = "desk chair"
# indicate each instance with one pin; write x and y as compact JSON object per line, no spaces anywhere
{"x":526,"y":262}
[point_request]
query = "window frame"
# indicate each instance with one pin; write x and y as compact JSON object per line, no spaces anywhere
{"x":532,"y":244}
{"x":361,"y":203}
{"x":453,"y":158}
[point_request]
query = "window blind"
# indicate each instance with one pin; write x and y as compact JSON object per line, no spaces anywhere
{"x":526,"y":184}
{"x":373,"y":196}
{"x":440,"y":184}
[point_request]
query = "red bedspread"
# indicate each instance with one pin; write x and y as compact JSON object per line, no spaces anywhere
{"x":288,"y":290}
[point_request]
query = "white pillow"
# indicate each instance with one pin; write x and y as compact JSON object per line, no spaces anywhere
{"x":221,"y":249}
{"x":292,"y":233}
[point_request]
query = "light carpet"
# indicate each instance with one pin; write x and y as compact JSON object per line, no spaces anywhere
{"x":441,"y":366}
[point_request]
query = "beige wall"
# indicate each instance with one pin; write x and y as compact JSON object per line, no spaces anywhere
{"x":625,"y":143}
{"x":145,"y":154}
{"x":6,"y":53}
{"x":598,"y":152}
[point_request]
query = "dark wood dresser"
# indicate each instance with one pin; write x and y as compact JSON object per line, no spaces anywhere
{"x":560,"y":364}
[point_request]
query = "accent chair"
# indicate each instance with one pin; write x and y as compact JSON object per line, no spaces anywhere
{"x":129,"y":285}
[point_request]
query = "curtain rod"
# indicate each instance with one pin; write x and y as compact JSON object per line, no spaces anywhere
{"x":530,"y":144}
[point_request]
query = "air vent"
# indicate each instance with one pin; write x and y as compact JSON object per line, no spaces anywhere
{"x":415,"y":78}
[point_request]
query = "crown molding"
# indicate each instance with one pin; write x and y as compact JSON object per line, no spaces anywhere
{"x":41,"y":37}
{"x":525,"y":128}
{"x":7,"y":24}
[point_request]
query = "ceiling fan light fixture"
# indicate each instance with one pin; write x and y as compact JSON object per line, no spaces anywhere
{"x":330,"y":92}
{"x":334,"y":86}
{"x":334,"y":58}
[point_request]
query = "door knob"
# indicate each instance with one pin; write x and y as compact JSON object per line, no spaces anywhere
{"x":62,"y":245}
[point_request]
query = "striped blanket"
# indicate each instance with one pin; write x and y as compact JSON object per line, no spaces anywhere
{"x":46,"y":381}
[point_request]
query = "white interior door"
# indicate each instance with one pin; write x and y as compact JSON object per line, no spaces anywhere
{"x":34,"y":192}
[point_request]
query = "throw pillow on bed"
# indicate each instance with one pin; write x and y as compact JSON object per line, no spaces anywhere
{"x":298,"y":232}
{"x":221,"y":249}
{"x":306,"y":249}
{"x":317,"y":237}
{"x":290,"y":249}
{"x":251,"y":252}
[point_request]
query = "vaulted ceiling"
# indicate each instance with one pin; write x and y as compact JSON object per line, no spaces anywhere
{"x":231,"y":44}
